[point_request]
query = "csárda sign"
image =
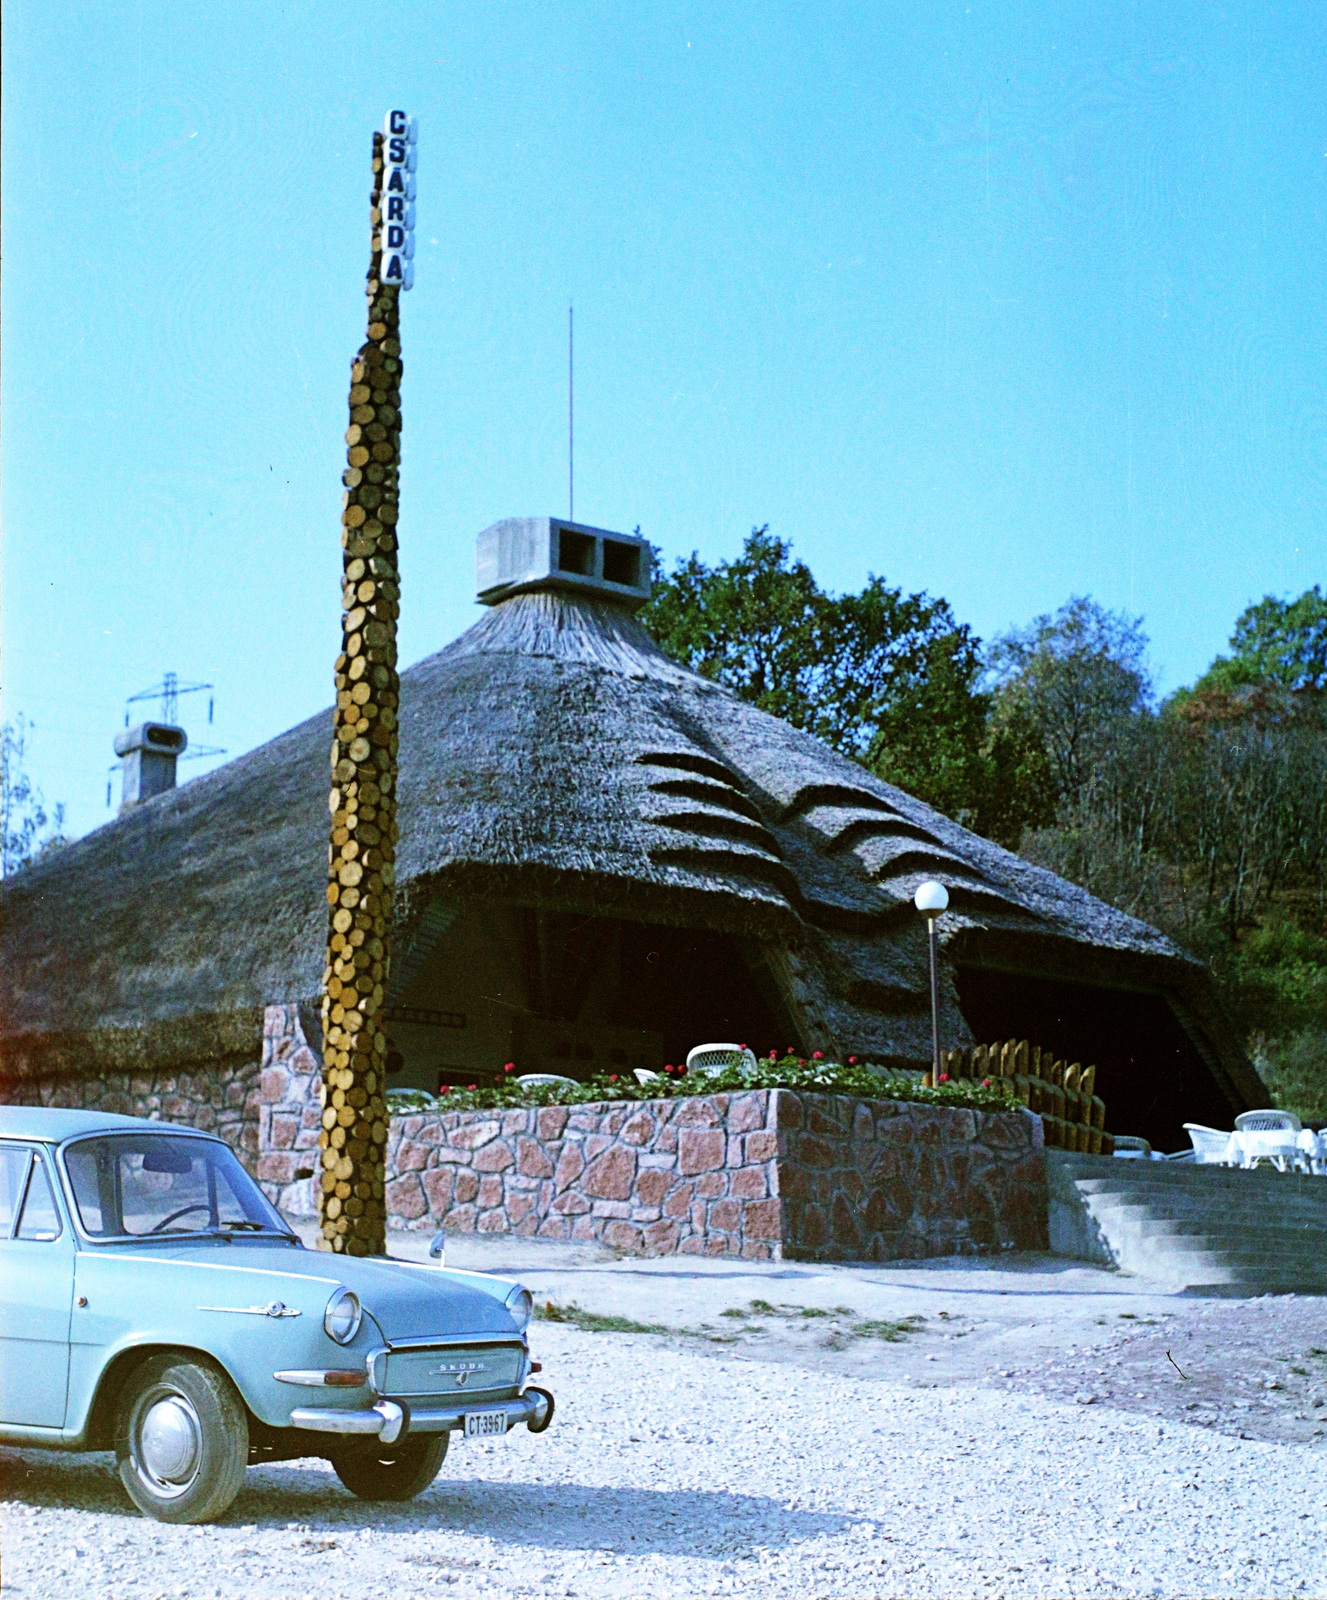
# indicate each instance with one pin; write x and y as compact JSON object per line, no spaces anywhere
{"x":400,"y":151}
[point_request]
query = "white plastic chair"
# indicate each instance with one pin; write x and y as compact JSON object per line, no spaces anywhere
{"x":1129,"y":1147}
{"x":1269,"y":1136}
{"x":1312,"y":1148}
{"x":707,"y":1058}
{"x":535,"y":1079}
{"x":644,"y":1076}
{"x":1213,"y":1146}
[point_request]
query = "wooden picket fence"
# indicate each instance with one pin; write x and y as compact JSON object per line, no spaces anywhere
{"x":1061,"y":1093}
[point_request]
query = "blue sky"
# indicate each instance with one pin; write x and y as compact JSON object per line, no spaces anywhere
{"x":1002,"y":301}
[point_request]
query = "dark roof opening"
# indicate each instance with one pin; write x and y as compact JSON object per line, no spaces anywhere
{"x":576,"y":553}
{"x":621,"y":562}
{"x":1148,"y":1071}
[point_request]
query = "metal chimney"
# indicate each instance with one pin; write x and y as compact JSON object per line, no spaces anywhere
{"x":148,"y":756}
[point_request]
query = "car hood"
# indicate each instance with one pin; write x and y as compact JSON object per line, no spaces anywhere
{"x":407,"y":1301}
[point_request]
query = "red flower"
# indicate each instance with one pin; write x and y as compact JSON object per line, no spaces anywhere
{"x":816,"y":1055}
{"x":985,"y":1083}
{"x":852,"y":1061}
{"x":669,"y":1069}
{"x":801,"y":1061}
{"x":474,"y":1086}
{"x":612,"y":1077}
{"x":741,"y":1047}
{"x":774,"y":1055}
{"x":445,"y":1089}
{"x":681,"y":1070}
{"x":944,"y":1077}
{"x":788,"y":1051}
{"x":510,"y":1067}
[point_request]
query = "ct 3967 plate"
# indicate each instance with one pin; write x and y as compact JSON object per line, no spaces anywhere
{"x":485,"y":1424}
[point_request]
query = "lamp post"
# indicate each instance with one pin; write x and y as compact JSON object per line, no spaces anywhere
{"x":931,"y":899}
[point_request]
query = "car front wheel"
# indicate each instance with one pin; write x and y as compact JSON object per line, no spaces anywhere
{"x":181,"y":1439}
{"x":392,"y":1471}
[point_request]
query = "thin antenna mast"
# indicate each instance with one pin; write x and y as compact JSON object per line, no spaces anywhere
{"x":571,"y":417}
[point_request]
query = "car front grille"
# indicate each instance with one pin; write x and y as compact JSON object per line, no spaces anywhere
{"x":455,"y":1371}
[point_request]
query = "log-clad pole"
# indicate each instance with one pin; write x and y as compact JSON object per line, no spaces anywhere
{"x":361,"y":856}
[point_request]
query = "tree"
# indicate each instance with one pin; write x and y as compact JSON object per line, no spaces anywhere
{"x":22,"y":810}
{"x":1078,"y":677}
{"x":887,"y":678}
{"x":1279,"y":644}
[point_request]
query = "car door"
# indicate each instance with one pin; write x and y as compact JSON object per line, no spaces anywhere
{"x":36,"y":1290}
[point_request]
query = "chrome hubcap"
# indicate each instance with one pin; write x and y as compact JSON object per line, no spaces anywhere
{"x":167,"y":1442}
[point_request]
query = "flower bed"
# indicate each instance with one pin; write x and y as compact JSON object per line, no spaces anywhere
{"x":816,"y":1075}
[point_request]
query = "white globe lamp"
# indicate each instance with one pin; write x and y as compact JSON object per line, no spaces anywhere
{"x":931,"y":899}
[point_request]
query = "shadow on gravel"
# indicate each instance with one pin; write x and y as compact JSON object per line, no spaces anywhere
{"x":555,"y":1516}
{"x":87,"y":1482}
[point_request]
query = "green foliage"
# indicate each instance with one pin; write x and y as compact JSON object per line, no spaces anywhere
{"x":22,"y":809}
{"x":1018,"y":792}
{"x":1294,"y":1068}
{"x":1075,"y":678}
{"x":929,"y":733}
{"x":1280,"y":643}
{"x":792,"y":1072}
{"x":1277,"y":976}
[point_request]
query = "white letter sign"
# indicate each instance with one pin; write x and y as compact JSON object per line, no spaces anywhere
{"x":399,"y":150}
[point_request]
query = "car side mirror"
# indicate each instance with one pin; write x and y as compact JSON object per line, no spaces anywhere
{"x":438,"y":1249}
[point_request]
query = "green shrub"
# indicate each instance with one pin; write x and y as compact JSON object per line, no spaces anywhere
{"x":1295,"y":1071}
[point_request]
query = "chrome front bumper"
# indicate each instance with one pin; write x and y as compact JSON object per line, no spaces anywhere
{"x":389,"y":1421}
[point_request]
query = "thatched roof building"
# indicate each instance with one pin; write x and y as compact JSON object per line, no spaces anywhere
{"x":604,"y":859}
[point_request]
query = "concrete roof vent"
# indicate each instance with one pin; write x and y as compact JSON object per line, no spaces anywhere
{"x":149,"y":753}
{"x":520,"y":554}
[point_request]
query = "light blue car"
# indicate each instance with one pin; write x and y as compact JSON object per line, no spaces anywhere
{"x":152,"y":1302}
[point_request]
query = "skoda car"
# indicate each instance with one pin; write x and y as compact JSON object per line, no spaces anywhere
{"x":153,"y":1302}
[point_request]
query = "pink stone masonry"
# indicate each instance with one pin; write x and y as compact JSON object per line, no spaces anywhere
{"x":622,"y":1174}
{"x":767,"y":1175}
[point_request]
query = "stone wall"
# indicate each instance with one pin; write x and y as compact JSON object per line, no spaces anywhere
{"x":766,"y":1175}
{"x":289,"y":1109}
{"x":219,"y":1097}
{"x":882,"y":1180}
{"x":267,"y":1108}
{"x":656,"y":1177}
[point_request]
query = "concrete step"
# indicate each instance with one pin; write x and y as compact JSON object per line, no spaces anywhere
{"x":1155,"y":1174}
{"x":1206,"y":1180}
{"x":1262,"y":1231}
{"x":1241,"y":1214}
{"x":1228,"y":1230}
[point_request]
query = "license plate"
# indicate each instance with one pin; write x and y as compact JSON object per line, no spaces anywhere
{"x":485,"y":1424}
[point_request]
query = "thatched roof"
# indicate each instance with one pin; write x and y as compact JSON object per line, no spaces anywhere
{"x":551,"y":755}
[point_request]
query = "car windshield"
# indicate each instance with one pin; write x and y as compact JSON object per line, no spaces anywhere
{"x":131,"y":1185}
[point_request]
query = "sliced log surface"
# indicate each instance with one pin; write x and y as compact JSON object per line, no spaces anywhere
{"x":361,"y":854}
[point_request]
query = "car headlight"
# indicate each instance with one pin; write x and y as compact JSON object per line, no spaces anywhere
{"x":342,"y":1317}
{"x":520,"y":1302}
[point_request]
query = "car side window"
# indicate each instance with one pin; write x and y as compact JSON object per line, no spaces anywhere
{"x":90,"y":1171}
{"x":39,"y":1218}
{"x":13,"y":1170}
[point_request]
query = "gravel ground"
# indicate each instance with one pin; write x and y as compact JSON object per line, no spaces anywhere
{"x":1026,"y":1439}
